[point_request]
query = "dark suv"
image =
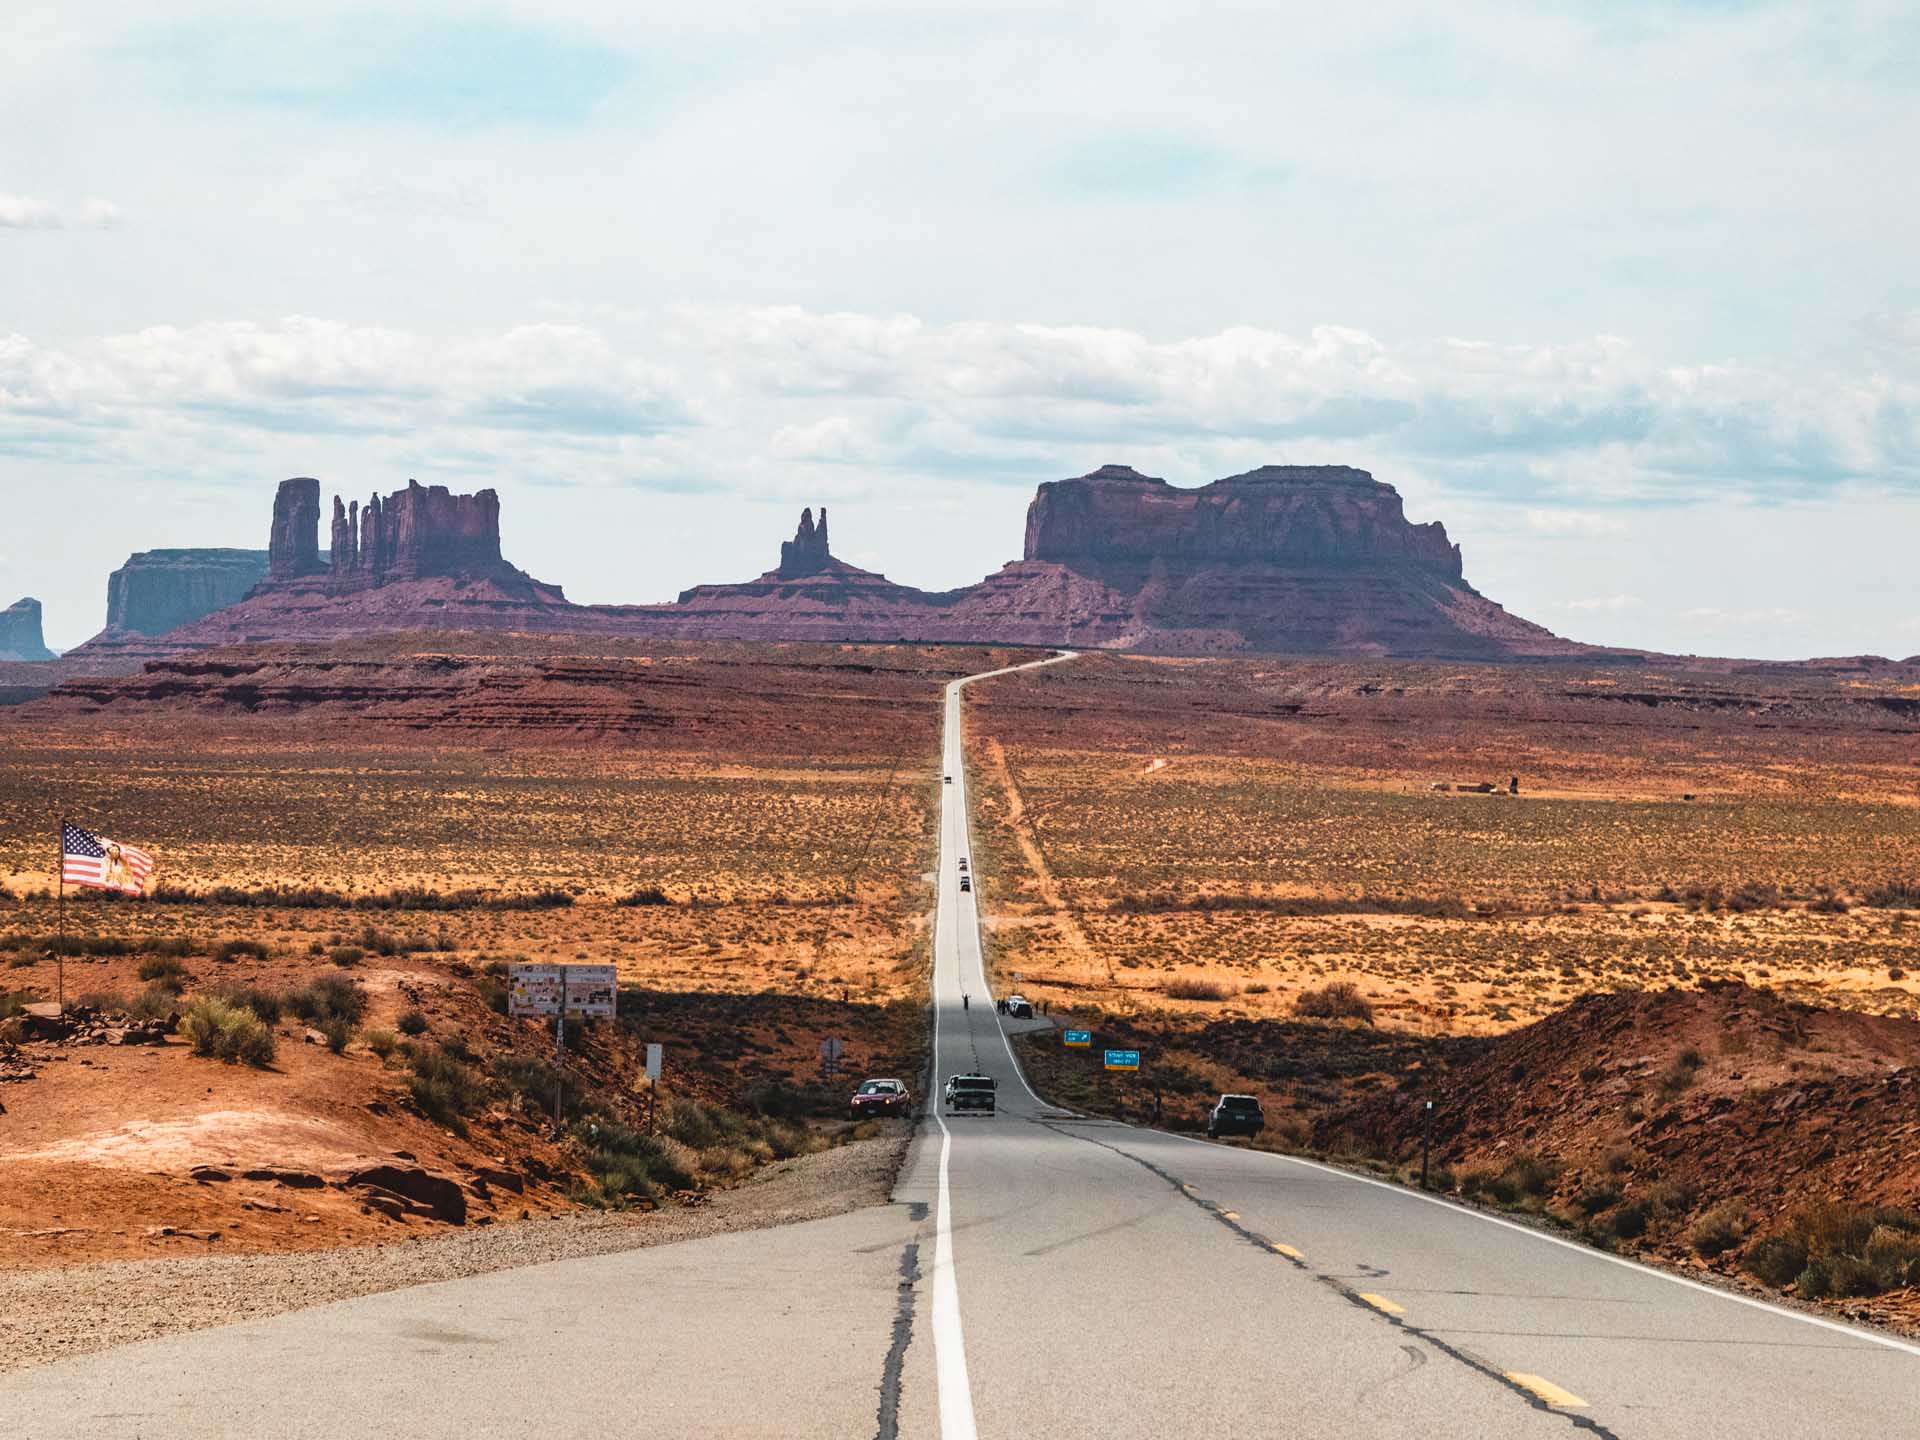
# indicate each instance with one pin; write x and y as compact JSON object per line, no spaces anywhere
{"x":1236,"y":1115}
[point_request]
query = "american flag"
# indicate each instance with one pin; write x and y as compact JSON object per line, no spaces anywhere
{"x":93,"y":860}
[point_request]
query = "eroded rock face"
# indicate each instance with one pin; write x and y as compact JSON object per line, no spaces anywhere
{"x":806,"y":553}
{"x":293,"y":547}
{"x":161,"y":590}
{"x":1119,"y":523}
{"x":21,"y":637}
{"x":417,"y":532}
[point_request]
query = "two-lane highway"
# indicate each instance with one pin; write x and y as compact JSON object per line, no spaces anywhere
{"x":1040,"y":1273}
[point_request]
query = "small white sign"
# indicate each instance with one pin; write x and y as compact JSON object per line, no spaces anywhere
{"x":653,"y":1063}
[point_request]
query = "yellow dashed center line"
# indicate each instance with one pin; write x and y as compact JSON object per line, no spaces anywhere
{"x":1545,"y":1389}
{"x":1286,"y":1250}
{"x":1387,"y":1307}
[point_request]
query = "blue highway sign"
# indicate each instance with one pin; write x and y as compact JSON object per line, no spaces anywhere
{"x":1123,"y":1059}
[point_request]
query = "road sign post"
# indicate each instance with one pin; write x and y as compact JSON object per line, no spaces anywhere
{"x":1078,"y":1039}
{"x":831,"y":1049}
{"x":559,"y":991}
{"x":1426,"y":1143}
{"x":653,"y":1082}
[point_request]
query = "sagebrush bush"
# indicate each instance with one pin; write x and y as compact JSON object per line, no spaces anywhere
{"x":164,"y":970}
{"x":444,"y":1088}
{"x":411,"y":1023}
{"x":1718,"y":1230}
{"x":1339,"y":1000}
{"x":331,"y":997}
{"x":230,"y":950}
{"x":227,"y":1032}
{"x":267,"y":1004}
{"x":1197,"y":987}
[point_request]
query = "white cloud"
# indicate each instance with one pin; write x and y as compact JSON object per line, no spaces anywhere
{"x":1604,"y":605}
{"x":24,"y":212}
{"x":1574,"y":524}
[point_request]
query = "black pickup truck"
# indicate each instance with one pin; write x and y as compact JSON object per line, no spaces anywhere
{"x":970,"y":1092}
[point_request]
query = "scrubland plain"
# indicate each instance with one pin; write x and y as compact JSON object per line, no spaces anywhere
{"x":355,"y":843}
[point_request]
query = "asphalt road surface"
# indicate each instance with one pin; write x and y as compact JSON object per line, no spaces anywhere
{"x":1037,"y":1274}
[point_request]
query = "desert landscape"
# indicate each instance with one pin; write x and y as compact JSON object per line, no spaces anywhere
{"x":1646,"y":938}
{"x":741,"y":831}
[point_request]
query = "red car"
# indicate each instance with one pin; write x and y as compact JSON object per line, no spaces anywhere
{"x":880,"y":1097}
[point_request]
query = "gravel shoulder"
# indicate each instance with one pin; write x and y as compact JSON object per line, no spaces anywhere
{"x":51,"y":1314}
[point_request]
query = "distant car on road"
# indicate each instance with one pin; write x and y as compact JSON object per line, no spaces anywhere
{"x":966,"y":883}
{"x":963,"y":862}
{"x":1236,"y":1115}
{"x":949,"y":779}
{"x":1019,"y":1007}
{"x":880,"y":1097}
{"x":970,"y":1092}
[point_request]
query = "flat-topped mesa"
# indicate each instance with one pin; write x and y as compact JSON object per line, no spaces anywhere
{"x":21,"y":637}
{"x":1318,"y":517}
{"x":160,"y":590}
{"x":806,"y":553}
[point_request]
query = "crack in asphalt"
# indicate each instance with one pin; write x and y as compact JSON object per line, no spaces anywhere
{"x":897,"y":1350}
{"x":1260,"y":1242}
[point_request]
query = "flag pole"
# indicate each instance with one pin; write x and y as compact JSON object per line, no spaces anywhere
{"x":60,"y":945}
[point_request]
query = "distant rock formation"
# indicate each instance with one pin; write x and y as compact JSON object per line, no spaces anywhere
{"x":417,"y":532}
{"x":293,"y":545}
{"x":1323,"y":517}
{"x":21,"y":637}
{"x":806,"y":553}
{"x":161,"y":590}
{"x":1284,"y":559}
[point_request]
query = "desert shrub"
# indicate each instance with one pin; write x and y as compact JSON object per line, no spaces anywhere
{"x":156,"y":1002}
{"x":412,"y":1023}
{"x":381,"y":942}
{"x":346,"y":956}
{"x":1669,"y":1199}
{"x":1258,"y":987}
{"x":1619,"y":1160}
{"x":230,"y":950}
{"x":646,"y":895}
{"x":1526,"y":1177}
{"x":628,"y":1164}
{"x":267,"y":1004}
{"x":106,"y":1002}
{"x":1778,"y":1260}
{"x":338,"y":1033}
{"x":331,"y":997}
{"x":1195,"y":987}
{"x":164,"y":970}
{"x":1828,"y":904}
{"x":1592,"y":1199}
{"x":444,"y":1088}
{"x":383,"y":1043}
{"x":227,"y":1032}
{"x":1339,"y":1000}
{"x":1893,"y":895}
{"x":1629,"y":1222}
{"x":181,"y":945}
{"x":1719,"y":1230}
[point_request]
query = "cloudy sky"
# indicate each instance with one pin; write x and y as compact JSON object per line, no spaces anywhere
{"x":1622,"y":291}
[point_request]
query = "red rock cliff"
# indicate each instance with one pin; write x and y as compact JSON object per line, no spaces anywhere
{"x":160,"y":590}
{"x":21,"y":637}
{"x":1320,"y":517}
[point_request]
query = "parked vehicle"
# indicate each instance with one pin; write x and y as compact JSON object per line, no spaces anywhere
{"x":880,"y":1097}
{"x":1236,"y":1115}
{"x":970,"y":1092}
{"x":1019,"y":1007}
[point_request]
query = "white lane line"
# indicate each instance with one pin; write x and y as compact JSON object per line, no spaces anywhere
{"x":1887,"y":1341}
